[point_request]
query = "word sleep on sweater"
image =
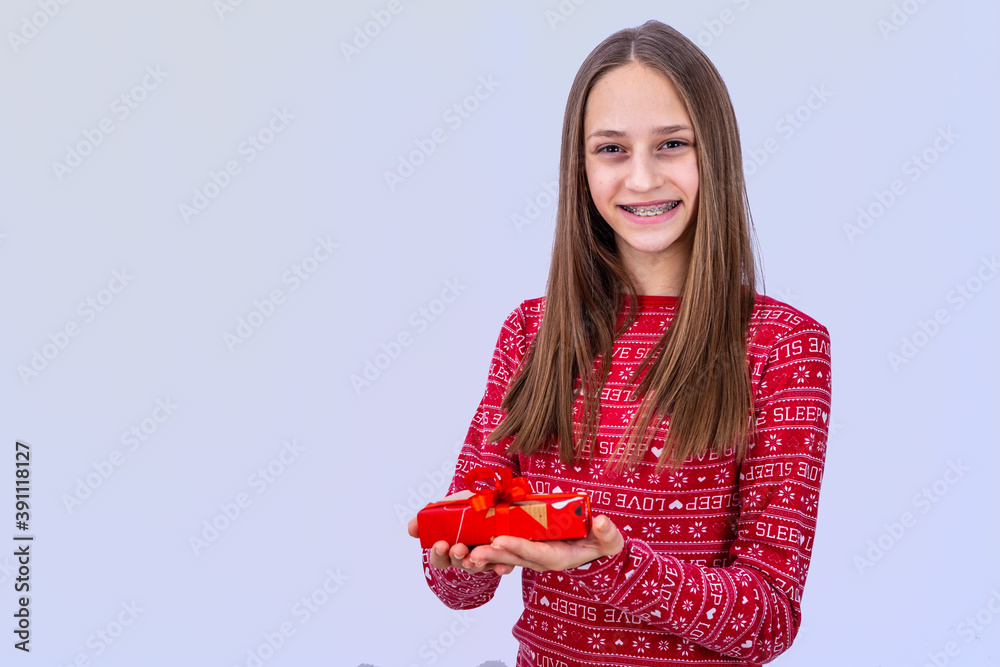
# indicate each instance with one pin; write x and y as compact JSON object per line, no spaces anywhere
{"x":715,"y":555}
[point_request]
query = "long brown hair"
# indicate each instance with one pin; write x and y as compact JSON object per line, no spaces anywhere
{"x":697,"y":375}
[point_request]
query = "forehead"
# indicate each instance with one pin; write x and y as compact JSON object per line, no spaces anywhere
{"x":633,"y":98}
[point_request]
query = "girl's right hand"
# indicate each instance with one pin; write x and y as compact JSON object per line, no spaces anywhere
{"x":443,"y":555}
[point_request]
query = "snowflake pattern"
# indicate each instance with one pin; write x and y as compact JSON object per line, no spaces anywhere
{"x":698,"y":529}
{"x":651,"y":530}
{"x":754,"y":551}
{"x":773,"y":442}
{"x":687,"y":605}
{"x":560,"y":631}
{"x":650,"y":588}
{"x":752,"y":500}
{"x":601,"y":581}
{"x":685,"y":647}
{"x":809,"y":502}
{"x":800,"y":375}
{"x":810,"y":441}
{"x":677,"y":479}
{"x":675,"y":529}
{"x":739,"y":622}
{"x":785,"y":494}
{"x":641,"y":644}
{"x":595,"y":641}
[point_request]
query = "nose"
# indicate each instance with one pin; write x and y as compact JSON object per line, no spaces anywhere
{"x":643,"y":174}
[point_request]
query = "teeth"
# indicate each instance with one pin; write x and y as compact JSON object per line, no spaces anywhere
{"x":649,"y":211}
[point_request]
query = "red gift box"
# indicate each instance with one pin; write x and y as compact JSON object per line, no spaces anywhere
{"x":509,"y":508}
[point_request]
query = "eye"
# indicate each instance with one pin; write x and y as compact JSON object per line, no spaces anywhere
{"x":674,"y":143}
{"x":608,"y":148}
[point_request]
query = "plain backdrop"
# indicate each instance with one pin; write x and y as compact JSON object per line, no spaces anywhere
{"x":242,"y":356}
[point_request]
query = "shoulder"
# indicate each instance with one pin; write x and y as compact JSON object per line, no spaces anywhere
{"x":773,"y":320}
{"x":527,"y":317}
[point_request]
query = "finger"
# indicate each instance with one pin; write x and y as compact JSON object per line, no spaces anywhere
{"x":491,"y":555}
{"x":458,"y":551}
{"x":411,"y":527}
{"x":505,"y":546}
{"x":503,"y":568}
{"x":439,"y":555}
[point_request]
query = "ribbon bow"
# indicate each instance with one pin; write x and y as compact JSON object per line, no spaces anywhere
{"x":506,"y":489}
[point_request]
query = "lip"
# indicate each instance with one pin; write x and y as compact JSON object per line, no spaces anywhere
{"x":649,"y":203}
{"x":649,"y":220}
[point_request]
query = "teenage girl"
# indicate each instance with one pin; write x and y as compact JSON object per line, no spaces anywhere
{"x":691,"y":408}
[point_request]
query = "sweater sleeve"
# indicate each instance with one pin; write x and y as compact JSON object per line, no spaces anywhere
{"x":749,"y":609}
{"x":457,"y":588}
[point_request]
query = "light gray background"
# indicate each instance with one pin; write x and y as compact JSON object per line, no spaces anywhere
{"x":367,"y":454}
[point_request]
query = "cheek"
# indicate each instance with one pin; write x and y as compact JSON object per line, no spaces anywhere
{"x":601,"y":187}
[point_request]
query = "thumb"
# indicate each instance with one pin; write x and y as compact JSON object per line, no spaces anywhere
{"x":603,"y":528}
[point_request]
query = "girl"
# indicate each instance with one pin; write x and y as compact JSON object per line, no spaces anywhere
{"x":653,"y":376}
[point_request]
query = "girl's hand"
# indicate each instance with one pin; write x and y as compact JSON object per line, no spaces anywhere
{"x":604,"y":540}
{"x":443,"y":555}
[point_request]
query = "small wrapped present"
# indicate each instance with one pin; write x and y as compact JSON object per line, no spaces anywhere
{"x":509,"y":508}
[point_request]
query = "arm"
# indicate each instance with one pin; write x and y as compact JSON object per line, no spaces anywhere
{"x":749,"y":609}
{"x":457,"y":588}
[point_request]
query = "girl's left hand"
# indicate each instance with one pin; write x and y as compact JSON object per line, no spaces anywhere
{"x":604,"y":540}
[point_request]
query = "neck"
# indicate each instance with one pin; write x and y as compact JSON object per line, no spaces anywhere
{"x":662,"y":274}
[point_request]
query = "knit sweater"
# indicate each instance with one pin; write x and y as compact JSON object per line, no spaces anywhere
{"x":715,"y":555}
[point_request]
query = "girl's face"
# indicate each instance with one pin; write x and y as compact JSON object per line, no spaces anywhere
{"x":642,"y":169}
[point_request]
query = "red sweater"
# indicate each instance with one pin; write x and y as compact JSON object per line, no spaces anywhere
{"x":715,"y":555}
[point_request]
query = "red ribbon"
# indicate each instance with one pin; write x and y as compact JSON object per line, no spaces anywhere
{"x":506,"y":489}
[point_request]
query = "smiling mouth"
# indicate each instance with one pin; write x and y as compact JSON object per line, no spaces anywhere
{"x":650,"y":211}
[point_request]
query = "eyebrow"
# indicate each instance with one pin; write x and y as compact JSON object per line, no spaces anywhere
{"x":657,"y":131}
